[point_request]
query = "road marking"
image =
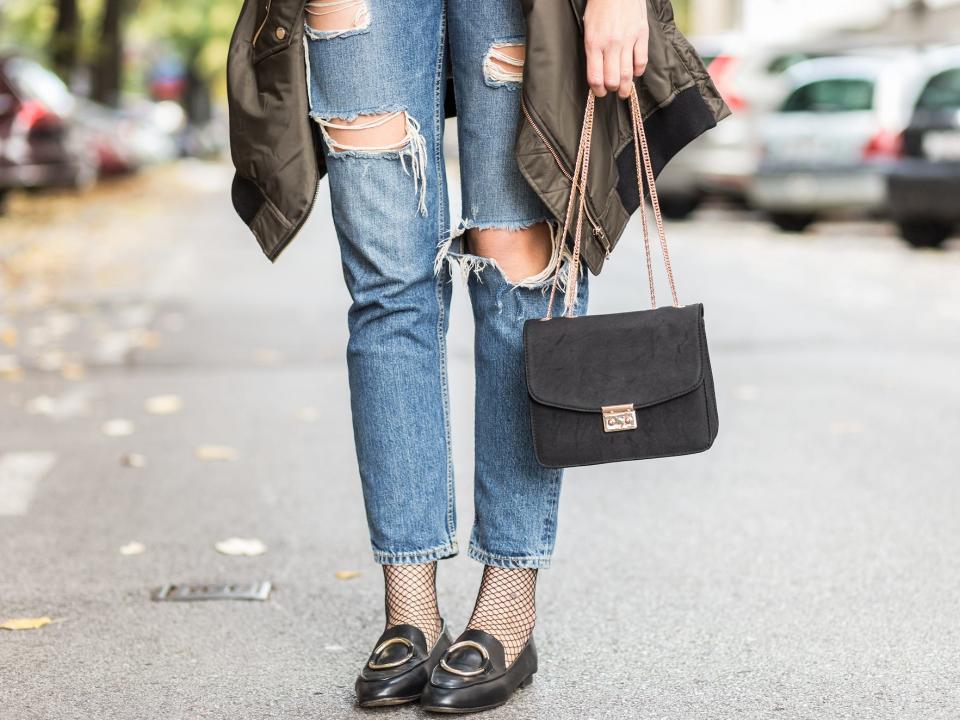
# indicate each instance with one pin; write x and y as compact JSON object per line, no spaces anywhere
{"x":19,"y":475}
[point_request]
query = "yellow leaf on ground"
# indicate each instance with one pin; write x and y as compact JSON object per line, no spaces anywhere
{"x":347,"y":574}
{"x":216,"y":452}
{"x":133,"y":548}
{"x":13,"y":374}
{"x":117,"y":427}
{"x":247,"y":547}
{"x":10,"y":367}
{"x":25,"y":623}
{"x":9,"y":336}
{"x":73,"y":371}
{"x":134,"y":460}
{"x":164,"y":404}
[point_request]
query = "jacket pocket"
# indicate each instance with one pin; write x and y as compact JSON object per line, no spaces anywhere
{"x":276,"y":26}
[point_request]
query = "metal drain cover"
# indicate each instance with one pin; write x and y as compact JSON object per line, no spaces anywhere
{"x":191,"y":593}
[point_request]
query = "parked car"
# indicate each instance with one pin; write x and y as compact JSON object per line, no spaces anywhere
{"x":107,"y":136}
{"x":40,"y":144}
{"x":924,"y":188}
{"x":721,"y":163}
{"x":833,"y":141}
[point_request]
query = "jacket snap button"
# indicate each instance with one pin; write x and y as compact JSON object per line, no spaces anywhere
{"x":281,"y":33}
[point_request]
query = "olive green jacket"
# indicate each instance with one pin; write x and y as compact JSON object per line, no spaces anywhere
{"x":279,"y":158}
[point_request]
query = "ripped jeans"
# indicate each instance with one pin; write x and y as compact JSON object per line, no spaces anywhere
{"x":383,"y":60}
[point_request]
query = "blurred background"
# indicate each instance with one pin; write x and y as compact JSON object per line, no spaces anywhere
{"x":175,"y":410}
{"x":841,"y":109}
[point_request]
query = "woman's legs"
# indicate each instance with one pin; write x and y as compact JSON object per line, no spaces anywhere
{"x":377,"y":91}
{"x":509,"y":254}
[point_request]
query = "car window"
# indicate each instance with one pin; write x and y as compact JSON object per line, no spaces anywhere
{"x":833,"y":95}
{"x":34,"y":81}
{"x":942,"y":92}
{"x":782,"y":63}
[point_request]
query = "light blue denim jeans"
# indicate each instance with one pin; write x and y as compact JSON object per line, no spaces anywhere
{"x":399,"y":256}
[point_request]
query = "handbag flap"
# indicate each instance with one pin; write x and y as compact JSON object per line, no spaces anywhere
{"x":644,"y":358}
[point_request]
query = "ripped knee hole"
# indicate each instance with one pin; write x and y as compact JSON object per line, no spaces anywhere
{"x":337,"y":16}
{"x":379,"y":132}
{"x":504,"y":62}
{"x":533,"y":270}
{"x":389,"y":134}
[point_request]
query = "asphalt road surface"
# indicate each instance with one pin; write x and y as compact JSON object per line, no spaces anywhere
{"x":808,"y":566}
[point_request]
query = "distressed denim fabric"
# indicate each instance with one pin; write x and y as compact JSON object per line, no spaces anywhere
{"x":400,"y":254}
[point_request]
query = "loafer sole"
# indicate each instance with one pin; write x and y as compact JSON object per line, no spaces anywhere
{"x":387,"y":702}
{"x":461,"y":710}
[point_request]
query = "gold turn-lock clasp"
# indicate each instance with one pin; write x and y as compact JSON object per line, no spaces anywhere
{"x":617,"y":418}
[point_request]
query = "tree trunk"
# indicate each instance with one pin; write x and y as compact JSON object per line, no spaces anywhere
{"x":66,"y":39}
{"x":108,"y":65}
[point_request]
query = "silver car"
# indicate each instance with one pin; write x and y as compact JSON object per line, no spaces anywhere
{"x":836,"y":136}
{"x":722,"y":162}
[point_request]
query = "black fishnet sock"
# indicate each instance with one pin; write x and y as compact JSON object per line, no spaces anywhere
{"x":410,"y":597}
{"x":506,"y":607}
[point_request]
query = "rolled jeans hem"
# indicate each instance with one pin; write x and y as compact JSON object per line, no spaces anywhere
{"x":508,"y":561}
{"x":413,"y":557}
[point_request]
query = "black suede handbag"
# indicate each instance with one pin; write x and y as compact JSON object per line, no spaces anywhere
{"x":625,"y":386}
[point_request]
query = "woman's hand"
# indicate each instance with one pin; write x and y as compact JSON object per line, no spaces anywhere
{"x":615,"y":34}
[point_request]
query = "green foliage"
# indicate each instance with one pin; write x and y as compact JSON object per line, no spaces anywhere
{"x":198,"y":31}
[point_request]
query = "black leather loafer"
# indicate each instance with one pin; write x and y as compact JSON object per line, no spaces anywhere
{"x":473,"y":676}
{"x":399,"y":666}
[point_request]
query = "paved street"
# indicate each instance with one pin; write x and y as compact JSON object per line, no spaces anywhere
{"x":806,"y":567}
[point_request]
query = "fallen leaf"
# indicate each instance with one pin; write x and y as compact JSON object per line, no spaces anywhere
{"x":10,"y":367}
{"x":347,"y":574}
{"x":13,"y":374}
{"x":134,"y":460}
{"x":133,"y":548}
{"x":9,"y":336}
{"x":41,"y":405}
{"x":246,"y":547}
{"x":71,"y":404}
{"x":164,"y":404}
{"x":73,"y":371}
{"x":117,"y":427}
{"x":216,"y":452}
{"x":25,"y":623}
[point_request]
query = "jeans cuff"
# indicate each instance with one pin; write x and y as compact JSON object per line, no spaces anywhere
{"x":508,"y":561}
{"x":413,"y":557}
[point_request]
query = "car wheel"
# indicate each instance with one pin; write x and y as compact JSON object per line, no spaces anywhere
{"x":793,"y":222}
{"x":925,"y":233}
{"x":3,"y":201}
{"x":679,"y":207}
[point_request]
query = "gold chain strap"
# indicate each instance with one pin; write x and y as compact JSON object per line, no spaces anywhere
{"x":579,"y":185}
